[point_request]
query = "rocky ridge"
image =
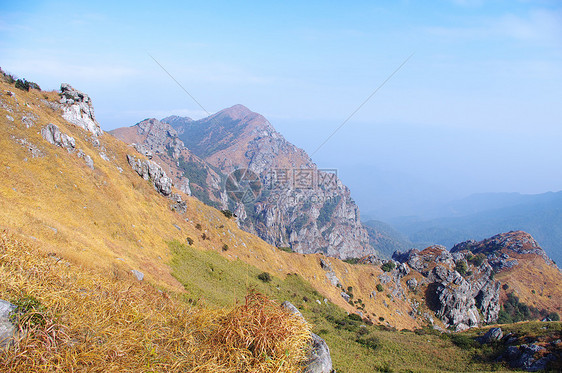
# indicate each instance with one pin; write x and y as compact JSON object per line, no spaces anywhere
{"x":297,"y":205}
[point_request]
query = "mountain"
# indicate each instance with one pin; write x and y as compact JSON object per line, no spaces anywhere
{"x":120,"y":269}
{"x":483,"y":215}
{"x":274,"y":188}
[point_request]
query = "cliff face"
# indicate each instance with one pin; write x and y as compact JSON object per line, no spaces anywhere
{"x":160,"y":142}
{"x":283,"y":198}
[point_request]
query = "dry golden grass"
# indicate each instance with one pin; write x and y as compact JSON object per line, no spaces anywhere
{"x":92,"y":322}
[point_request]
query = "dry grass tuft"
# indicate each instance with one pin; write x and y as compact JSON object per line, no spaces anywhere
{"x":260,"y":336}
{"x":80,"y":320}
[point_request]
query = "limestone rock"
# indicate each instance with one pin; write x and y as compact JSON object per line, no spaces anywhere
{"x":7,"y":328}
{"x":319,"y":359}
{"x":53,"y":135}
{"x":138,"y":274}
{"x":494,"y":334}
{"x":77,"y":109}
{"x":149,"y":170}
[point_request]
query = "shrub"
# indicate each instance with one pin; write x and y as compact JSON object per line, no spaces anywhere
{"x":22,"y":84}
{"x":228,"y":213}
{"x":265,"y":277}
{"x":381,"y":319}
{"x":354,"y":317}
{"x":189,"y":241}
{"x":204,"y":236}
{"x":198,"y":226}
{"x":225,"y":247}
{"x":554,"y":316}
{"x":379,"y":288}
{"x":285,"y":248}
{"x":388,"y":266}
{"x":462,"y":341}
{"x":461,"y":267}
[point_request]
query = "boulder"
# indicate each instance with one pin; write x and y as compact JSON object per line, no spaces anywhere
{"x":7,"y":328}
{"x":319,"y":359}
{"x":138,"y":274}
{"x":492,"y":335}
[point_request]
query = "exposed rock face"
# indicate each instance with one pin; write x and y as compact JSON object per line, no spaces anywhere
{"x":298,"y":205}
{"x":7,"y":328}
{"x":149,"y":170}
{"x":319,"y":360}
{"x":54,"y":136}
{"x":77,"y":109}
{"x":502,"y":249}
{"x":159,"y":142}
{"x":459,"y":301}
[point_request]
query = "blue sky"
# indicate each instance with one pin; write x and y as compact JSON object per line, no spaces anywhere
{"x":477,"y":108}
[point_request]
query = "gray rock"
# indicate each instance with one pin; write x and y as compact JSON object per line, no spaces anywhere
{"x":492,"y":335}
{"x":412,"y":284}
{"x":319,"y":359}
{"x":7,"y":329}
{"x":345,"y":296}
{"x":54,"y":136}
{"x":77,"y":109}
{"x":138,"y":274}
{"x":149,"y":170}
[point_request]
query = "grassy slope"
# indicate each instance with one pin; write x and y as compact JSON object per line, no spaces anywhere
{"x":112,"y":221}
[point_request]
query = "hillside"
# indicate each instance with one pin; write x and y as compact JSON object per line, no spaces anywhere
{"x":76,"y":199}
{"x":484,"y":215}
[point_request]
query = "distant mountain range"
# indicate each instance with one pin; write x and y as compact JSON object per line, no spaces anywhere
{"x":483,"y":215}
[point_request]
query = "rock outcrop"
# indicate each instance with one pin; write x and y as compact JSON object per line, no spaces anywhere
{"x":149,"y":170}
{"x":54,"y":136}
{"x":319,"y":359}
{"x":77,"y":108}
{"x":503,"y":250}
{"x":459,"y":300}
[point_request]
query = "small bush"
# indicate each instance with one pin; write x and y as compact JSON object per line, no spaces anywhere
{"x":29,"y":312}
{"x":379,"y":288}
{"x":265,"y":277}
{"x":228,"y":213}
{"x":22,"y":84}
{"x":189,"y":241}
{"x":354,"y":317}
{"x":554,"y":316}
{"x":285,"y":248}
{"x":198,"y":226}
{"x":371,"y":342}
{"x":461,"y":267}
{"x":462,"y":341}
{"x":388,"y":266}
{"x":381,"y":319}
{"x":204,"y":236}
{"x":225,"y":247}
